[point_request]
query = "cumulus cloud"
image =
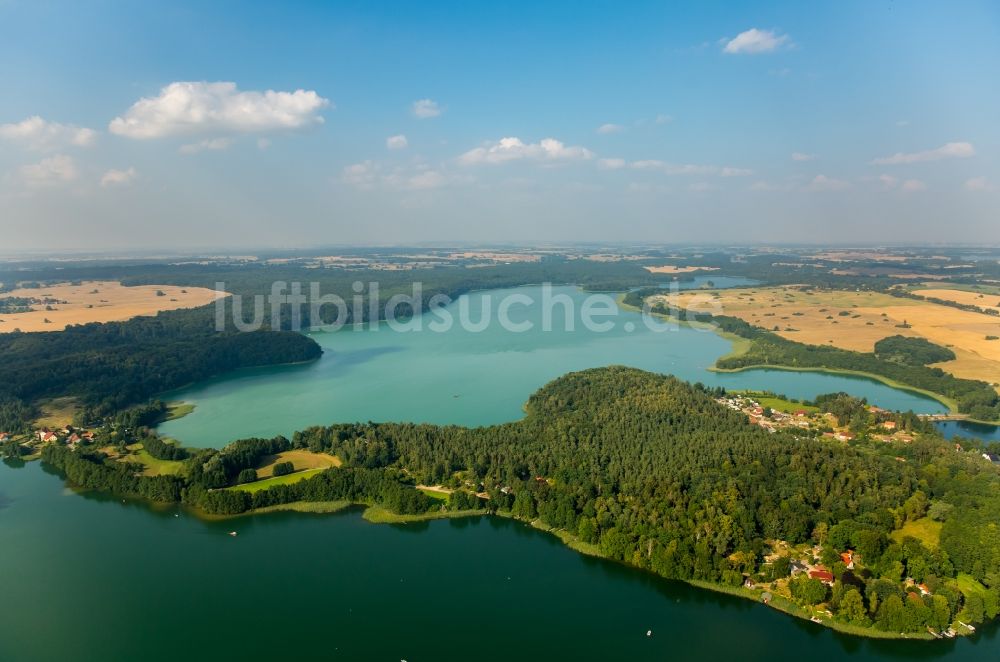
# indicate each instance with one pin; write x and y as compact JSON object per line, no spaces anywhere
{"x":947,"y":151}
{"x":547,"y":150}
{"x":39,"y":134}
{"x":824,"y":183}
{"x":978,"y":184}
{"x":426,"y":108}
{"x":801,"y":156}
{"x":186,"y":108}
{"x":610,"y":128}
{"x":396,"y":142}
{"x":611,"y":164}
{"x":756,"y":41}
{"x":58,"y":169}
{"x":214,"y":144}
{"x":118,"y":177}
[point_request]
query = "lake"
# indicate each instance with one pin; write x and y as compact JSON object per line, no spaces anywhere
{"x":969,"y":429}
{"x":473,"y":378}
{"x":90,"y":578}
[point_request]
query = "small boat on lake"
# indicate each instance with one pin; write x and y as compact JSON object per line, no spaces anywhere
{"x":233,"y":534}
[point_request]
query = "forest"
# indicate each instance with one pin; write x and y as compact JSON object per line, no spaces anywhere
{"x":653,"y":472}
{"x":113,"y":365}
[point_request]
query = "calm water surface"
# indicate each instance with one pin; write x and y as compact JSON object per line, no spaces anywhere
{"x":86,"y":578}
{"x":473,"y":378}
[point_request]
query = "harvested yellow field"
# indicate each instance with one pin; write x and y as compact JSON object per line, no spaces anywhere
{"x":671,"y":269}
{"x":980,"y":299}
{"x":857,"y":320}
{"x":300,"y":459}
{"x":98,"y":301}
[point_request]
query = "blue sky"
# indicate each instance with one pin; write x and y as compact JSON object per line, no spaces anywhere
{"x":147,"y":124}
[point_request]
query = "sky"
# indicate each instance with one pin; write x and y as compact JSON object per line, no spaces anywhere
{"x":152,"y":125}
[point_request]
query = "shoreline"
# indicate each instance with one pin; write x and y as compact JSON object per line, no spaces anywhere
{"x":740,"y":345}
{"x":376,"y":514}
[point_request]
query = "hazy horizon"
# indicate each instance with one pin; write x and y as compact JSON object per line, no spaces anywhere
{"x":183,"y":126}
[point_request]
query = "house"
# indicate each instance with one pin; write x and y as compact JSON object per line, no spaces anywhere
{"x":46,"y":435}
{"x":889,"y":425}
{"x":797,"y":567}
{"x":4,"y":436}
{"x":74,"y":439}
{"x":848,"y":559}
{"x":821,"y":574}
{"x":923,"y":589}
{"x":844,"y":436}
{"x":801,"y":413}
{"x":992,"y":457}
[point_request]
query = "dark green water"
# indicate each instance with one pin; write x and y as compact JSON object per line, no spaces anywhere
{"x":85,"y":578}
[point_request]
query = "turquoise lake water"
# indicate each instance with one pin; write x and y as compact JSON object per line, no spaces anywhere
{"x":474,"y":377}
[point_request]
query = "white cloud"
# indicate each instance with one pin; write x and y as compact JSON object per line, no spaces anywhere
{"x":37,"y":133}
{"x":978,"y":184}
{"x":911,"y":185}
{"x":513,"y":149}
{"x":185,"y":108}
{"x":361,"y":175}
{"x":57,"y":169}
{"x":948,"y":151}
{"x":369,"y":176}
{"x":689,"y":168}
{"x":118,"y":177}
{"x":396,"y":142}
{"x":647,"y":164}
{"x":213,"y":144}
{"x":888,"y":181}
{"x":611,"y":164}
{"x":800,"y":156}
{"x":610,"y":128}
{"x":824,"y":183}
{"x":426,"y":108}
{"x":756,"y":41}
{"x":422,"y":181}
{"x":663,"y":119}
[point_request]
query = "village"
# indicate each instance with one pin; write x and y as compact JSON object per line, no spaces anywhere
{"x":775,"y":413}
